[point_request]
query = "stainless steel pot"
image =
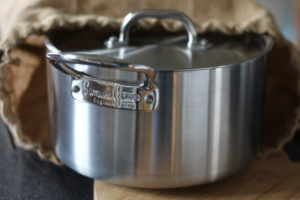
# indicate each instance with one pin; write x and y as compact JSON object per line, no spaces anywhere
{"x":158,"y":112}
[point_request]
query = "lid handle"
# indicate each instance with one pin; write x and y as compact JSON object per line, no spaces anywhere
{"x":160,"y":14}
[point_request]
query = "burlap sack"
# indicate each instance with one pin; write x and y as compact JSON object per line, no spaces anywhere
{"x":23,"y":95}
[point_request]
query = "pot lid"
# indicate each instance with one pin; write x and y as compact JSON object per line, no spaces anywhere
{"x":213,"y":50}
{"x":193,"y":51}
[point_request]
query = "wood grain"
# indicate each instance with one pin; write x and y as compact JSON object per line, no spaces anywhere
{"x":272,"y":178}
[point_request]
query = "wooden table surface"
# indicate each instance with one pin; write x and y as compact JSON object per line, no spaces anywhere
{"x":272,"y":178}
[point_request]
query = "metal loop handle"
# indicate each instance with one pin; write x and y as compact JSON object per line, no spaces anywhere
{"x":65,"y":57}
{"x":131,"y":18}
{"x":108,"y":93}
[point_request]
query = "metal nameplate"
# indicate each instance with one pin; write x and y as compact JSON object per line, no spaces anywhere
{"x":115,"y":95}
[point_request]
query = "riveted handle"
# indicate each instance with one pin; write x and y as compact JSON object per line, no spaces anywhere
{"x":102,"y":61}
{"x":131,"y":18}
{"x":107,"y":93}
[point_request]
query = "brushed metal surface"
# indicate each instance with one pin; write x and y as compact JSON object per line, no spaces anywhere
{"x":206,"y":127}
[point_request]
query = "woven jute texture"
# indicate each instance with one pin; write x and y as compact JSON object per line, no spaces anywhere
{"x":23,"y":89}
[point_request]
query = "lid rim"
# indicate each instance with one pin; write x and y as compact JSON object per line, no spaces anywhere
{"x":268,"y":44}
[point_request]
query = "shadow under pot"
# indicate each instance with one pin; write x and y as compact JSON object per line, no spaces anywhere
{"x":158,"y":111}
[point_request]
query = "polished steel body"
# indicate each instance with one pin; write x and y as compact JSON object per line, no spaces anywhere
{"x":204,"y":124}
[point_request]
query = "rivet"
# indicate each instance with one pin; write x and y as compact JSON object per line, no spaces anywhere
{"x":149,"y":99}
{"x":203,"y":42}
{"x":75,"y":88}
